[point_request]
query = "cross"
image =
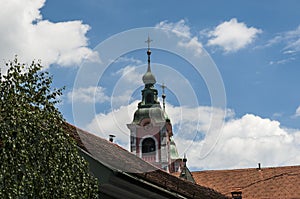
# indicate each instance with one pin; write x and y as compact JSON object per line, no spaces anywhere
{"x":148,"y":41}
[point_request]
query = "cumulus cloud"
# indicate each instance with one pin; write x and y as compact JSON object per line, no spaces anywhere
{"x":114,"y":122}
{"x":90,"y":94}
{"x":186,"y":39}
{"x":232,"y":35}
{"x":192,"y":44}
{"x":24,"y":32}
{"x":188,"y":122}
{"x":242,"y":142}
{"x":246,"y":141}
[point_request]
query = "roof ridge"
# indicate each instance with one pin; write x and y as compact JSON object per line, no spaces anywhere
{"x":244,"y":169}
{"x":92,"y":134}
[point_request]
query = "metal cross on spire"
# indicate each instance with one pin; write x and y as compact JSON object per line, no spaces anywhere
{"x":163,"y":86}
{"x":148,"y":53}
{"x":148,"y":41}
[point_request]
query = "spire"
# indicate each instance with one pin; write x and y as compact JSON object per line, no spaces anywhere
{"x":149,"y":52}
{"x":163,"y":86}
{"x":149,"y":78}
{"x":185,"y":172}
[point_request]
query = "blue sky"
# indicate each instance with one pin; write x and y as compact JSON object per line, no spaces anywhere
{"x":250,"y":47}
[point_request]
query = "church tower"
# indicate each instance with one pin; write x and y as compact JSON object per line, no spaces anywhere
{"x":151,"y":129}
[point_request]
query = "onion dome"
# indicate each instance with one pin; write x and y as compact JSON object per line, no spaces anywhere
{"x":148,"y":77}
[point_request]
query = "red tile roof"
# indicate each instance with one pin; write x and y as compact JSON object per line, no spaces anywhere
{"x":275,"y":182}
{"x":116,"y":157}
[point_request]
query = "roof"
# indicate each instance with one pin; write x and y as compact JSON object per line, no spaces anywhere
{"x":148,"y":77}
{"x":115,"y":157}
{"x":154,"y":112}
{"x":186,"y":174}
{"x":108,"y":153}
{"x":184,"y":187}
{"x":273,"y":182}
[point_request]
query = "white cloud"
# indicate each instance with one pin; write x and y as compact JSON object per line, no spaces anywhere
{"x":293,"y":39}
{"x":243,"y":142}
{"x":192,"y":120}
{"x":186,"y":39}
{"x":274,"y":40}
{"x":290,"y":40}
{"x":282,"y":61}
{"x":88,"y":95}
{"x":24,"y":32}
{"x":297,"y":113}
{"x":130,"y":75}
{"x":290,"y":43}
{"x":114,"y":122}
{"x":184,"y":119}
{"x":179,"y":28}
{"x":131,"y":60}
{"x":232,"y":35}
{"x":130,"y":79}
{"x":289,"y":52}
{"x":120,"y":99}
{"x":192,"y":44}
{"x":246,"y":141}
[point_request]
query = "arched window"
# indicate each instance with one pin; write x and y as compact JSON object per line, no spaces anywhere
{"x":148,"y":146}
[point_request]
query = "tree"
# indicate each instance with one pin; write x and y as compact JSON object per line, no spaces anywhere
{"x":37,"y":157}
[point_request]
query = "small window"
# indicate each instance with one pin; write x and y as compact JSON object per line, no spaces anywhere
{"x":148,"y":145}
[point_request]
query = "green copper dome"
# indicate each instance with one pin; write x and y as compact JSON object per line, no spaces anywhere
{"x":173,"y":150}
{"x":155,"y":113}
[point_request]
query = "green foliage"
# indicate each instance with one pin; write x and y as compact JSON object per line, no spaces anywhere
{"x":37,"y":158}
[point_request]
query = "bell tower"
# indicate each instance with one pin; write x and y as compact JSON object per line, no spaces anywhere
{"x":151,"y":129}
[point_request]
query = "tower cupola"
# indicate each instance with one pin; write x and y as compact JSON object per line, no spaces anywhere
{"x":151,"y":129}
{"x":148,"y":77}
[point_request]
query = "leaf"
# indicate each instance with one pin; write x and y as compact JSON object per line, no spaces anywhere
{"x":38,"y":158}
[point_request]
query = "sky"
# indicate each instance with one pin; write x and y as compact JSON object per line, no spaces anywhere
{"x":231,"y":70}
